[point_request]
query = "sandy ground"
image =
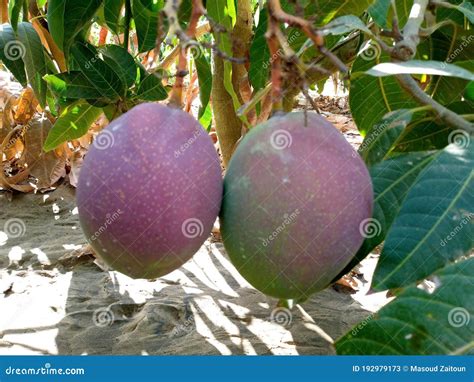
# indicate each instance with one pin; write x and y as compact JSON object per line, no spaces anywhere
{"x":53,"y":301}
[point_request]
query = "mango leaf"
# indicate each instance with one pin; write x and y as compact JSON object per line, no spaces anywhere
{"x":203,"y":68}
{"x":151,"y":89}
{"x":370,"y":98}
{"x":113,"y":14}
{"x":380,"y":139}
{"x":391,"y":179}
{"x":467,"y":9}
{"x":429,"y":133}
{"x":435,"y":68}
{"x":123,"y":63}
{"x":223,"y":13}
{"x":100,"y":74}
{"x":332,"y":8}
{"x":12,"y":52}
{"x":419,"y":322}
{"x":345,"y":24}
{"x":73,"y":123}
{"x":146,"y":13}
{"x":66,"y":18}
{"x":447,"y":90}
{"x":72,"y":85}
{"x":469,"y":92}
{"x":259,"y":54}
{"x":438,"y":207}
{"x":15,"y":7}
{"x":35,"y":60}
{"x":379,"y":12}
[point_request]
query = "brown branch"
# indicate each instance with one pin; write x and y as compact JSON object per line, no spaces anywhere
{"x":277,"y":13}
{"x":444,"y":114}
{"x":275,"y":57}
{"x":171,"y":10}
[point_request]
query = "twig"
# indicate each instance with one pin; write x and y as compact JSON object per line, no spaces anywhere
{"x":171,"y":10}
{"x":277,"y":13}
{"x":446,"y":115}
{"x":276,"y":75}
{"x":405,"y":49}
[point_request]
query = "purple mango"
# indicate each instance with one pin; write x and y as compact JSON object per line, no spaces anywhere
{"x":296,"y":198}
{"x":149,"y":191}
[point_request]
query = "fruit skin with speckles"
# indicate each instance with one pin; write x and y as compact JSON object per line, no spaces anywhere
{"x":294,"y":198}
{"x":149,"y":190}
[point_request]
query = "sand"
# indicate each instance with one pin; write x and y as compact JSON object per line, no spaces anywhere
{"x":56,"y":299}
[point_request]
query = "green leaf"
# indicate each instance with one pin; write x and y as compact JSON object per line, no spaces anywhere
{"x":145,"y":14}
{"x":439,"y":206}
{"x":448,"y":89}
{"x":223,"y":13}
{"x":391,"y":179}
{"x":379,"y":12}
{"x":101,"y":75}
{"x":259,"y":54}
{"x":73,"y":123}
{"x":467,"y":9}
{"x":435,"y":68}
{"x":113,"y":14}
{"x":12,"y":52}
{"x":370,"y":98}
{"x":203,"y":68}
{"x":380,"y":139}
{"x":35,"y":60}
{"x":15,"y":7}
{"x":73,"y":85}
{"x":329,"y":9}
{"x":469,"y":92}
{"x":66,"y":18}
{"x":123,"y":63}
{"x":151,"y":89}
{"x":429,"y":133}
{"x":345,"y":24}
{"x":419,"y":322}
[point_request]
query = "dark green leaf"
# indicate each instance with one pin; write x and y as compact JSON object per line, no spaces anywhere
{"x":345,"y":24}
{"x":113,"y":14}
{"x":35,"y":60}
{"x":12,"y":52}
{"x":370,"y":98}
{"x":151,"y":89}
{"x":101,"y":75}
{"x":380,"y":139}
{"x":73,"y":85}
{"x":15,"y":7}
{"x":419,"y":322}
{"x":259,"y":54}
{"x":123,"y":63}
{"x":203,"y":68}
{"x":145,"y":14}
{"x":66,"y":18}
{"x":439,"y":206}
{"x":73,"y":123}
{"x":379,"y":12}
